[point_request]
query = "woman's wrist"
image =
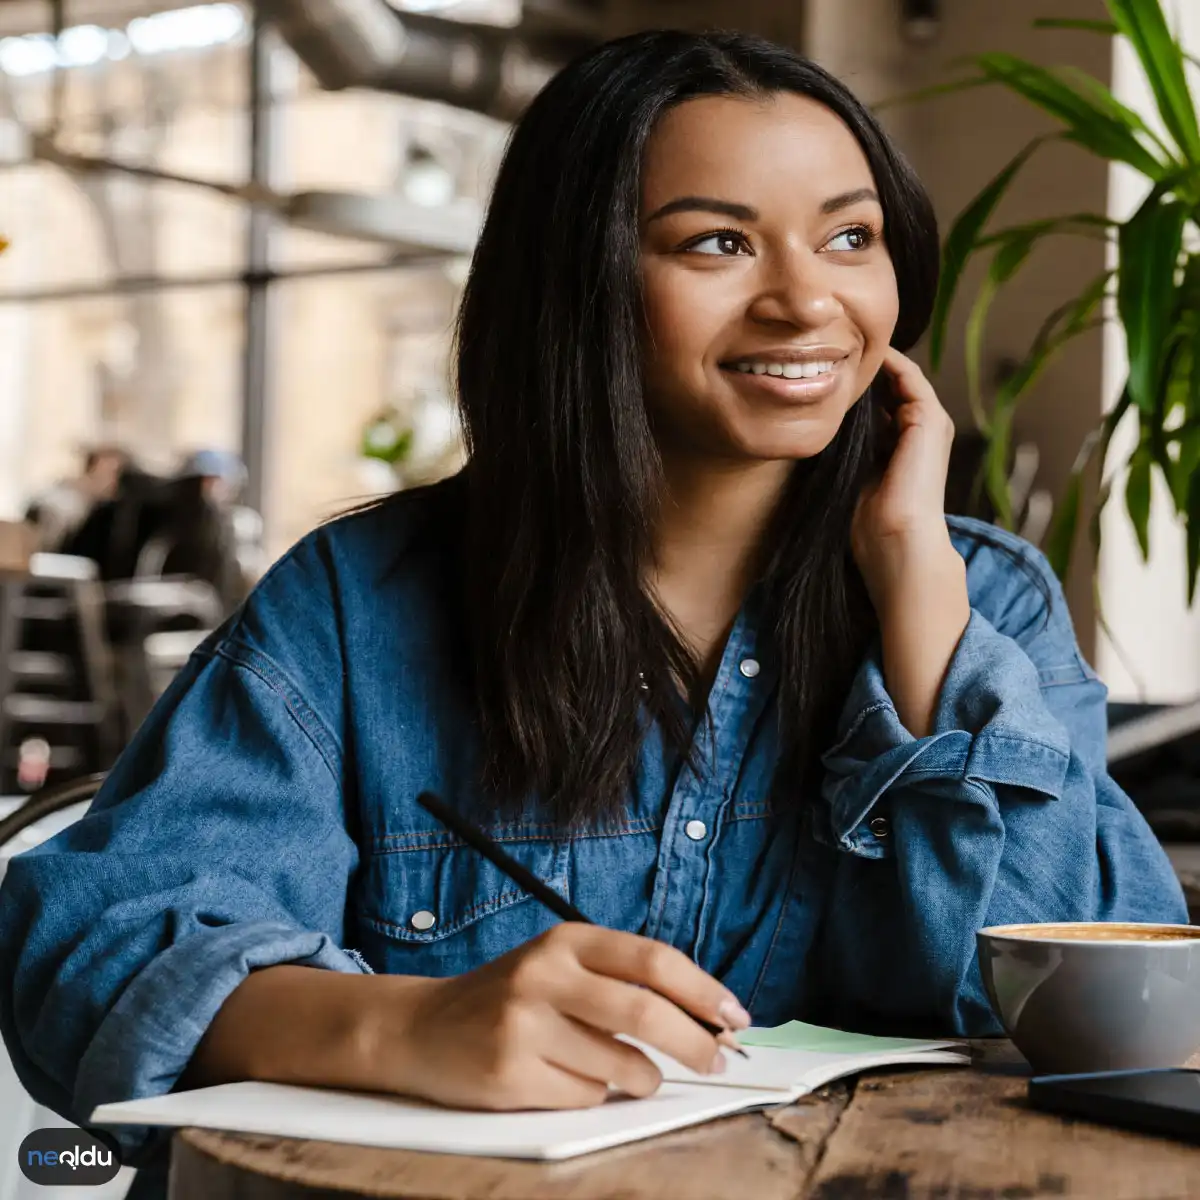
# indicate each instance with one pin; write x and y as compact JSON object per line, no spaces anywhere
{"x":918,"y":562}
{"x":923,"y":612}
{"x":306,"y":1026}
{"x":384,"y":1033}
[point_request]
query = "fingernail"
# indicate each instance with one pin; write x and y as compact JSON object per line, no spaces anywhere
{"x":733,"y":1014}
{"x":718,"y":1065}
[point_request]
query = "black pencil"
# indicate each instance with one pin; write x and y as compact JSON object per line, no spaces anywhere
{"x":540,"y":891}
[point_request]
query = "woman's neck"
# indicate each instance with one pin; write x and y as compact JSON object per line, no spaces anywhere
{"x":707,"y":543}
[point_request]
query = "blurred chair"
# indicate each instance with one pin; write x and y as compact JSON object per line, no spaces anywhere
{"x":166,"y":653}
{"x":48,"y":801}
{"x":140,"y":609}
{"x":59,"y":688}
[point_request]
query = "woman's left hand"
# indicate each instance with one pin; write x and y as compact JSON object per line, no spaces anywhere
{"x":916,"y":579}
{"x":900,"y":522}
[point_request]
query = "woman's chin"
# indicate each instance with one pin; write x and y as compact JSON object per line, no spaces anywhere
{"x":788,"y":447}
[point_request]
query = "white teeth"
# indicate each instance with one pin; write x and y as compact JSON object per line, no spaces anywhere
{"x":792,"y":370}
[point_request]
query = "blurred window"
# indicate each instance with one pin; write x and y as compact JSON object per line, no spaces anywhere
{"x":122,"y":299}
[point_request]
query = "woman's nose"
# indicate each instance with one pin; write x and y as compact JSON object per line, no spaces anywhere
{"x":795,"y":290}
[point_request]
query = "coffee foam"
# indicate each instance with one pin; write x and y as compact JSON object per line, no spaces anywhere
{"x":1100,"y":932}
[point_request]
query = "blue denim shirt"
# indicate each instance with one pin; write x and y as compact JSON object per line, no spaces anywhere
{"x":265,"y":814}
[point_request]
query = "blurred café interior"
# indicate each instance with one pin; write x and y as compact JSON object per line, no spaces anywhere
{"x":236,"y":235}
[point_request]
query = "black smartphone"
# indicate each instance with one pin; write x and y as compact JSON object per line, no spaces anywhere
{"x":1164,"y":1101}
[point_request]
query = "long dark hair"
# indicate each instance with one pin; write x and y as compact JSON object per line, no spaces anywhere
{"x":563,"y":476}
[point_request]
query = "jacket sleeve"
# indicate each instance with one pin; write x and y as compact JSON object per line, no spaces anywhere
{"x":1005,"y":813}
{"x":121,"y":937}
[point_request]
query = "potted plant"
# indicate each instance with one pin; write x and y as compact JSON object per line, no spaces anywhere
{"x":1156,"y":282}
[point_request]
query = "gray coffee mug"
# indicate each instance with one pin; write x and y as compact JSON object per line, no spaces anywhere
{"x":1095,"y":997}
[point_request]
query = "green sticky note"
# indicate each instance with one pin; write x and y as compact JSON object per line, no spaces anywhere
{"x":796,"y":1035}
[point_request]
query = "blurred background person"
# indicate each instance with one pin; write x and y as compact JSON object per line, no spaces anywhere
{"x":58,"y":511}
{"x":182,"y":525}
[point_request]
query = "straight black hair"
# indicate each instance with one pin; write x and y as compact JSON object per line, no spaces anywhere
{"x":563,"y":475}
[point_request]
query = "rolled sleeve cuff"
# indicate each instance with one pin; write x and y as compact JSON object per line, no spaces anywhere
{"x":991,"y":727}
{"x":149,"y":1036}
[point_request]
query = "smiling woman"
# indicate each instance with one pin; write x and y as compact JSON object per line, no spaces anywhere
{"x":690,"y":636}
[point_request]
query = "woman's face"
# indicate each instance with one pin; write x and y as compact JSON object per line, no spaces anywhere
{"x":769,"y":293}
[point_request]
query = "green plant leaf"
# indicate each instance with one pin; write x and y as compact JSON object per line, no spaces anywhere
{"x":1060,"y":541}
{"x":1092,"y":89}
{"x":995,"y":468}
{"x":1006,"y":262}
{"x":1143,"y":23}
{"x":1188,"y":442}
{"x":1105,"y":27}
{"x":1150,"y":243}
{"x":1193,"y":394}
{"x":1061,"y":538}
{"x":1068,"y":321}
{"x":960,"y":243}
{"x":1095,"y":524}
{"x":930,"y":93}
{"x":1088,"y":124}
{"x":1193,"y":536}
{"x":1137,"y":496}
{"x":1083,"y":224}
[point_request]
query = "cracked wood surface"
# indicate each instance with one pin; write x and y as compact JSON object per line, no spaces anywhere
{"x":941,"y":1134}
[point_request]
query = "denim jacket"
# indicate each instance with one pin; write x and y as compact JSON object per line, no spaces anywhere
{"x":265,"y":814}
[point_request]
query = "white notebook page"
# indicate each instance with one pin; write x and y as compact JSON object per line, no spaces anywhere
{"x":392,"y":1122}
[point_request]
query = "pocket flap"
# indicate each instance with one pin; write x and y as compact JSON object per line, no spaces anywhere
{"x":421,"y":894}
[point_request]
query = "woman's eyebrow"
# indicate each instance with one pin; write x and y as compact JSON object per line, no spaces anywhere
{"x":743,"y":212}
{"x":727,"y":208}
{"x":837,"y":203}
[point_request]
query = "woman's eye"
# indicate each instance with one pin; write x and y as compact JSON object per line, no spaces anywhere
{"x":858,"y":238}
{"x":724,"y":244}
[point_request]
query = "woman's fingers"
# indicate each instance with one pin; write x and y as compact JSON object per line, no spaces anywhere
{"x":647,"y":990}
{"x":597,"y":1057}
{"x":545,"y":1085}
{"x":663,"y":969}
{"x":616,"y":1007}
{"x":918,"y":397}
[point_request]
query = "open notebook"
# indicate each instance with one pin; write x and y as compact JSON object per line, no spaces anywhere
{"x":784,"y":1063}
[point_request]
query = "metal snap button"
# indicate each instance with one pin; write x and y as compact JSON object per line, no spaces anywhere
{"x":696,"y":830}
{"x":422,"y":920}
{"x":879,"y":827}
{"x":749,"y":667}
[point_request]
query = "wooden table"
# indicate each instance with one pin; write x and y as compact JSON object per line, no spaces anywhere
{"x":950,"y":1134}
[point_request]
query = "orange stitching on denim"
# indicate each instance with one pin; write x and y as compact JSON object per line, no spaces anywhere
{"x":379,"y":842}
{"x":445,"y":844}
{"x":749,"y":814}
{"x":494,"y":830}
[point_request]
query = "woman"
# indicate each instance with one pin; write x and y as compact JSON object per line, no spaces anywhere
{"x":690,"y":635}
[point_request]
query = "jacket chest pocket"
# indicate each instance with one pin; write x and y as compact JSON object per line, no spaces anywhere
{"x":440,"y":908}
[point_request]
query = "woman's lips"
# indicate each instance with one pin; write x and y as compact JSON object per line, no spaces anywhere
{"x":816,"y":388}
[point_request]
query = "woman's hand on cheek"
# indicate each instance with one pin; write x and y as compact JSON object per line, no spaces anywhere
{"x":900,"y":524}
{"x":916,"y":579}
